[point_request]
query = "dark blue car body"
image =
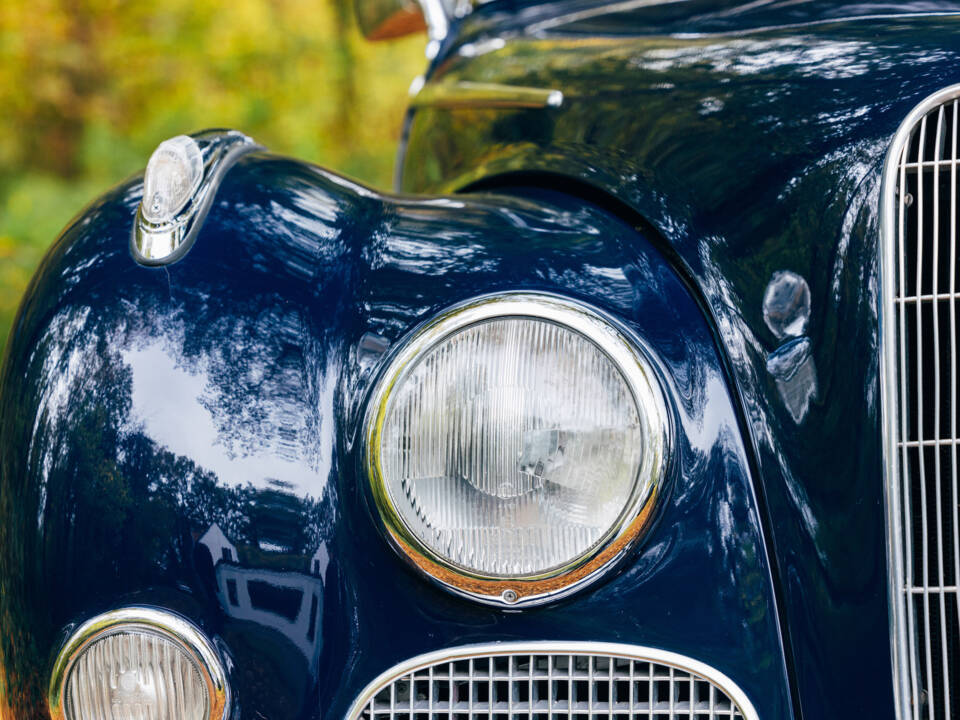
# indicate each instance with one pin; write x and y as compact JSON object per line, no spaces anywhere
{"x":699,"y":149}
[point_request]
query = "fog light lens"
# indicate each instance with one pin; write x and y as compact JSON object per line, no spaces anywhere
{"x":136,"y":675}
{"x":138,"y":663}
{"x":173,"y":175}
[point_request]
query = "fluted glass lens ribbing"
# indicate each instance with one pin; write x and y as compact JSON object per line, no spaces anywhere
{"x":135,"y":675}
{"x":512,"y":447}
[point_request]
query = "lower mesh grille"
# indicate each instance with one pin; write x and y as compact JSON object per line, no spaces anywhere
{"x":634,"y":683}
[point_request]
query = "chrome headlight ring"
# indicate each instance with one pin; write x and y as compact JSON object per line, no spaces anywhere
{"x":638,"y":372}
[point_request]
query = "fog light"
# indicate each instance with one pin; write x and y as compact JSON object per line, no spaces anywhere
{"x":138,"y":663}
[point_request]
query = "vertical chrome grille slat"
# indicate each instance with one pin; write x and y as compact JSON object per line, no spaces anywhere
{"x":938,"y":494}
{"x":918,"y":313}
{"x":921,"y":455}
{"x":544,"y":681}
{"x":953,"y":354}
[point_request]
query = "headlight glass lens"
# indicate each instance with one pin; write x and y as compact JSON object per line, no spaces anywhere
{"x":513,"y":446}
{"x":136,"y":675}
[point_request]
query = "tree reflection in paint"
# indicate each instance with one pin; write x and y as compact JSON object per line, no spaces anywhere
{"x":98,"y":509}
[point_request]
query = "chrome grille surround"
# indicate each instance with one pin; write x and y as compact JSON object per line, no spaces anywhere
{"x":920,"y":442}
{"x":538,"y":680}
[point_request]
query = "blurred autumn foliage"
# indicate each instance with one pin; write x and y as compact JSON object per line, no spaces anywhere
{"x":88,"y":88}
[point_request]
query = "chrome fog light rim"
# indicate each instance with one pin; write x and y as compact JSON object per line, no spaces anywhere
{"x":167,"y":625}
{"x":626,"y":353}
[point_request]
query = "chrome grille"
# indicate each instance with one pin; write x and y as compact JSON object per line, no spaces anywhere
{"x":540,"y":682}
{"x":920,"y":384}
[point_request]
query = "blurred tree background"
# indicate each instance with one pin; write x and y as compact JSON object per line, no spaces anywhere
{"x":88,"y":88}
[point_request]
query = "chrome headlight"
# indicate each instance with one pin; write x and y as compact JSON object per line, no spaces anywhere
{"x":515,"y":446}
{"x":138,"y":662}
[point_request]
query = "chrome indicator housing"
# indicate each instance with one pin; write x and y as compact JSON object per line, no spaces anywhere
{"x":180,"y":182}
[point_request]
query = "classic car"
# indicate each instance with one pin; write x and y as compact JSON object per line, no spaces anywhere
{"x":637,"y":401}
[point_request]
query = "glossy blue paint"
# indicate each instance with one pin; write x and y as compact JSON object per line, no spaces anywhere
{"x":164,"y":431}
{"x":751,"y":137}
{"x":679,"y":17}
